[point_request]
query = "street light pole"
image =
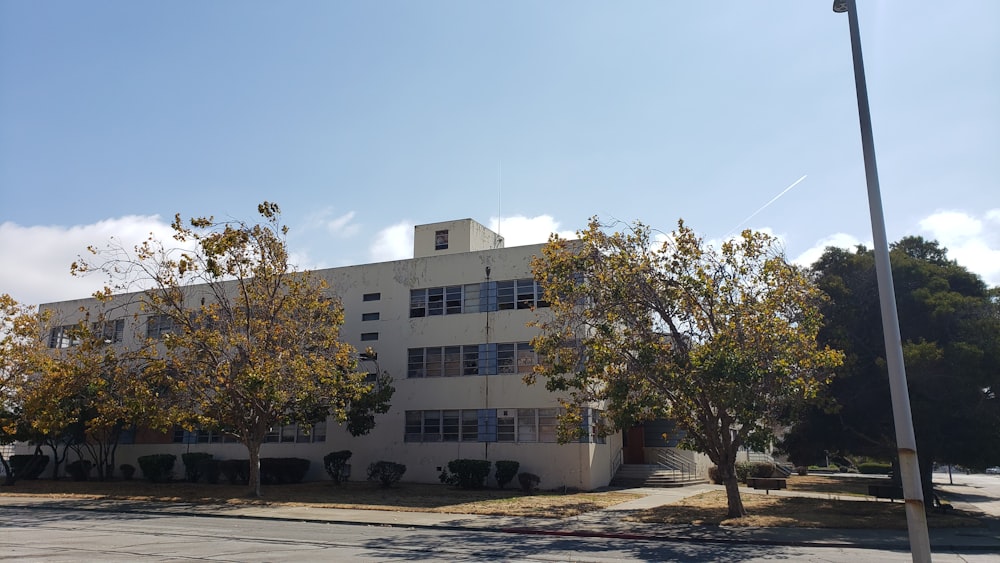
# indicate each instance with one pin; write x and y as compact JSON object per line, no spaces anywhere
{"x":906,"y":442}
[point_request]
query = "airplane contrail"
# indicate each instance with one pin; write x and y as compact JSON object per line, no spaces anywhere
{"x":763,"y":207}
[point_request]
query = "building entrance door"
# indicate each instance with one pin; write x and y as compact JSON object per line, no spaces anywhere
{"x":633,"y":444}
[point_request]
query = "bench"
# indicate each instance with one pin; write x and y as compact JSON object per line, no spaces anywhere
{"x":891,"y":492}
{"x":768,"y":484}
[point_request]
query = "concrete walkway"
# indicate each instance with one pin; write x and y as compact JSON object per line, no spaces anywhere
{"x":603,"y":523}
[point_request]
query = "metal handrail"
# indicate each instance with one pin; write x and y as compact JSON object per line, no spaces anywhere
{"x":671,"y":460}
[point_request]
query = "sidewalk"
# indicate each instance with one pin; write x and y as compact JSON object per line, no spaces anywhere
{"x":602,"y":523}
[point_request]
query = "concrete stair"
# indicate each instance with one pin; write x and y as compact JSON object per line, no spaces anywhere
{"x":656,"y":476}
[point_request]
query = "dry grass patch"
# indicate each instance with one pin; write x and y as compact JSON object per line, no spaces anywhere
{"x":412,"y":497}
{"x":795,"y":512}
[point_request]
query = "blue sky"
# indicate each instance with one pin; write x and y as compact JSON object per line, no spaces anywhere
{"x":362,"y":119}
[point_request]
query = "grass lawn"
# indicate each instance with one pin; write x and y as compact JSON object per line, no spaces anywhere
{"x":415,"y":497}
{"x":774,"y":510}
{"x":704,"y":509}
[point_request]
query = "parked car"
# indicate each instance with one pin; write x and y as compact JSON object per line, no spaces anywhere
{"x":993,"y":470}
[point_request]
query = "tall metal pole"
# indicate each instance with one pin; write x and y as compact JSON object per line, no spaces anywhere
{"x":906,"y":442}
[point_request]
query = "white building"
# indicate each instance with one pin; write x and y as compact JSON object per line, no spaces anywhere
{"x":450,"y":326}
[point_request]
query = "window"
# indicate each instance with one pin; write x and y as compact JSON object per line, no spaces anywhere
{"x":470,"y":426}
{"x":505,"y":425}
{"x":471,"y":294}
{"x":548,"y":425}
{"x":110,"y":331}
{"x":435,"y":301}
{"x":418,"y":303}
{"x":415,"y":362}
{"x":525,"y":293}
{"x":452,"y":361}
{"x":158,"y":326}
{"x":527,"y":425}
{"x":441,"y":240}
{"x":63,"y":336}
{"x":471,"y":359}
{"x":371,"y":297}
{"x":368,"y":336}
{"x":369,"y":316}
{"x":505,"y":295}
{"x":450,"y":425}
{"x":446,"y":425}
{"x":296,"y":433}
{"x":453,"y":300}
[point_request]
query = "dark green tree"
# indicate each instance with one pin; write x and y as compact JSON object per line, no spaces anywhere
{"x":950,"y":330}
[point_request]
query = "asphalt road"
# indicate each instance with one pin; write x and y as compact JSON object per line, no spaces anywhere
{"x":47,"y":534}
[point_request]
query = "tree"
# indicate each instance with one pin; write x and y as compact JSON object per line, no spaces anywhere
{"x":720,"y":341}
{"x":950,"y":330}
{"x":93,"y":390}
{"x":246,"y":342}
{"x":20,"y":353}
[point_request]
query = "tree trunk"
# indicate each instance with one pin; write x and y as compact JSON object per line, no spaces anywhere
{"x":733,"y":499}
{"x":254,"y":475}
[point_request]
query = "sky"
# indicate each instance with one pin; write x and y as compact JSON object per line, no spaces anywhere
{"x":364,"y":118}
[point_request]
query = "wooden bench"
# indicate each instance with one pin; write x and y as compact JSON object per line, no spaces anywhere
{"x":768,"y":484}
{"x":891,"y":492}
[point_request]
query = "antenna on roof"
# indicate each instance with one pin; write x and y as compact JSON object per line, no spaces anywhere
{"x":497,"y":238}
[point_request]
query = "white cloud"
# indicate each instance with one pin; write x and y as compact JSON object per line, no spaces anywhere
{"x":519,"y":230}
{"x":35,"y":261}
{"x":973,"y":242}
{"x":340,"y":226}
{"x":838,"y":240}
{"x":393,"y":243}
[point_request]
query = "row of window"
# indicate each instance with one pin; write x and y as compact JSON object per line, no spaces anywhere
{"x":493,"y":425}
{"x":65,"y":336}
{"x":476,"y":298}
{"x":471,"y":359}
{"x":288,"y":433}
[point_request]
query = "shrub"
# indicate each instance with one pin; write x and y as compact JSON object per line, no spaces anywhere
{"x":873,"y":468}
{"x":466,"y":473}
{"x":529,"y":482}
{"x":743,"y":469}
{"x":387,"y":473}
{"x":79,"y":470}
{"x":713,"y":475}
{"x":192,"y":465}
{"x":158,"y":468}
{"x":128,"y":471}
{"x":335,"y":464}
{"x":506,"y":471}
{"x":762,"y":470}
{"x":209,"y":467}
{"x":802,"y":470}
{"x":281,"y":470}
{"x":28,"y":466}
{"x":237,"y":471}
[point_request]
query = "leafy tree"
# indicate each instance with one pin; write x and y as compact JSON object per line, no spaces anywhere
{"x":247,"y":343}
{"x":20,"y":354}
{"x":717,"y":340}
{"x":950,"y":330}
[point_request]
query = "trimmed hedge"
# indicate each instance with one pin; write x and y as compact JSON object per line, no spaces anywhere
{"x":158,"y":468}
{"x":874,"y":468}
{"x":387,"y":473}
{"x":529,"y":481}
{"x":282,"y":470}
{"x":128,"y":471}
{"x":210,"y":469}
{"x":28,"y":466}
{"x":79,"y":470}
{"x":506,"y":471}
{"x":334,"y":463}
{"x":466,"y":473}
{"x":193,"y":465}
{"x":236,"y":471}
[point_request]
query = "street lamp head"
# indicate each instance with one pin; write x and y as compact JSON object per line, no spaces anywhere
{"x":840,"y":6}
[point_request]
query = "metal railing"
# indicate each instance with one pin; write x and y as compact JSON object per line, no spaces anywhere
{"x":675,"y":462}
